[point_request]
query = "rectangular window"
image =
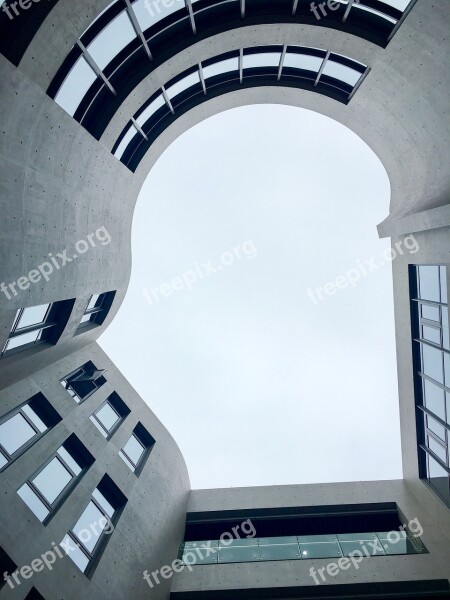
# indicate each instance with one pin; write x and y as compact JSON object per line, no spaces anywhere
{"x":137,"y":449}
{"x":34,"y":595}
{"x":110,"y":415}
{"x":431,"y":352}
{"x":90,"y":533}
{"x":45,"y":491}
{"x":83,"y":382}
{"x":96,"y":310}
{"x":37,"y":325}
{"x":24,"y":426}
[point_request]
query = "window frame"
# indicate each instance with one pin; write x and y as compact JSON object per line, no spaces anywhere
{"x":68,"y":379}
{"x":98,"y":313}
{"x":147,"y":442}
{"x":119,"y":407}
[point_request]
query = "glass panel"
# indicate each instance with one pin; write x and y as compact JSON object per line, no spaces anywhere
{"x":447,"y":402}
{"x":33,"y":502}
{"x":430,"y":312}
{"x":201,"y":544}
{"x":432,"y":362}
{"x":107,"y":416}
{"x":355,"y":546}
{"x":280,"y":552}
{"x":436,"y":428}
{"x":432,"y":334}
{"x":270,"y":541}
{"x":99,"y":427}
{"x":440,"y":451}
{"x":341,"y":72}
{"x":434,"y":399}
{"x":183,"y":85}
{"x":223,"y":66}
{"x":132,"y":131}
{"x":111,"y":40}
{"x":71,"y":462}
{"x":134,"y":449}
{"x":78,"y":557}
{"x":149,"y":12}
{"x":21,"y":340}
{"x":109,"y":510}
{"x":150,"y":110}
{"x":384,"y":535}
{"x":33,"y":316}
{"x":351,"y":537}
{"x":439,"y":478}
{"x":3,"y":461}
{"x":262,"y":59}
{"x":240,"y":542}
{"x":324,"y":550}
{"x":403,"y":546}
{"x":75,"y":86}
{"x":239,"y":554}
{"x":399,"y":4}
{"x":447,"y":368}
{"x":85,"y":319}
{"x":444,"y":294}
{"x":375,"y":12}
{"x":14,"y":433}
{"x":317,"y":538}
{"x":126,"y":461}
{"x":429,"y":283}
{"x":302,"y":61}
{"x":52,"y":480}
{"x":93,"y":301}
{"x":89,"y":526}
{"x":445,"y":330}
{"x":206,"y":557}
{"x":34,"y":418}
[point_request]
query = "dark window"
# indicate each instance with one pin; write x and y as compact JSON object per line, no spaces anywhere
{"x":46,"y":490}
{"x":23,"y":426}
{"x":96,"y":310}
{"x":89,"y":535}
{"x":110,"y":415}
{"x":7,"y":565}
{"x":84,"y":381}
{"x":37,"y":325}
{"x":137,"y":449}
{"x":34,"y":595}
{"x":431,"y":352}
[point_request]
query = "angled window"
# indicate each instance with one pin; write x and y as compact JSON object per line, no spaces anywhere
{"x":34,"y":595}
{"x":97,"y":310}
{"x":7,"y":566}
{"x":110,"y":415}
{"x":137,"y":449}
{"x":87,"y":539}
{"x":84,"y":381}
{"x":431,"y":353}
{"x":21,"y":428}
{"x":47,"y":489}
{"x":37,"y":325}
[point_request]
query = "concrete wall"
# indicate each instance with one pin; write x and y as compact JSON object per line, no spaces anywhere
{"x":151,"y":527}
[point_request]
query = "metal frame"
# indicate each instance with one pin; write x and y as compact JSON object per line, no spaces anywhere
{"x":11,"y":457}
{"x":66,"y":382}
{"x":144,"y":450}
{"x":108,"y":432}
{"x":15,"y":332}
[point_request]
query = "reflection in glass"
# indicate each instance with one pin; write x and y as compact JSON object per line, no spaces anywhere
{"x":33,"y":316}
{"x":14,"y":433}
{"x":429,"y":283}
{"x":52,"y":480}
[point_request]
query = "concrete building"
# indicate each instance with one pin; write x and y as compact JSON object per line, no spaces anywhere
{"x":91,"y":95}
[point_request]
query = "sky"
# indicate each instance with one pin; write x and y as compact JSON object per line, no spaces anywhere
{"x":263,"y":373}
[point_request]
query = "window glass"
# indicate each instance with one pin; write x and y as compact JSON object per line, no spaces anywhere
{"x":33,"y":502}
{"x":108,"y":416}
{"x":239,"y":554}
{"x":434,"y":398}
{"x":439,"y":450}
{"x":71,"y":462}
{"x":33,"y":316}
{"x":75,"y":86}
{"x":34,"y":418}
{"x":262,"y":59}
{"x":107,"y":507}
{"x":439,"y":478}
{"x":111,"y":40}
{"x":150,"y":110}
{"x":447,"y":368}
{"x":3,"y":461}
{"x":183,"y":85}
{"x":349,"y":547}
{"x":149,"y":12}
{"x":302,"y":61}
{"x":323,"y":550}
{"x":25,"y":338}
{"x":447,"y":402}
{"x":432,"y":334}
{"x":134,"y":449}
{"x":374,"y":11}
{"x":436,"y":428}
{"x":126,"y":461}
{"x":429,"y":283}
{"x":223,"y":66}
{"x":432,"y":362}
{"x":93,"y":301}
{"x":52,"y":480}
{"x":90,"y":526}
{"x":445,"y":329}
{"x":85,"y":318}
{"x":78,"y":557}
{"x":399,"y":4}
{"x":125,"y":141}
{"x":341,"y":72}
{"x":14,"y":433}
{"x":430,"y":312}
{"x":444,"y":294}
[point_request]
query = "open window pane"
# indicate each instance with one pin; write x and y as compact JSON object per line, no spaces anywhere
{"x":107,"y":507}
{"x":111,"y":40}
{"x":93,"y":301}
{"x":14,"y":433}
{"x":75,"y":86}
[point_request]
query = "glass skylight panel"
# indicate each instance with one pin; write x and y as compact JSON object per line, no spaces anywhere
{"x":374,"y":12}
{"x":125,"y":141}
{"x":149,"y":12}
{"x":262,"y":59}
{"x":307,"y":62}
{"x":183,"y":84}
{"x":14,"y":433}
{"x":341,"y":72}
{"x":111,"y":40}
{"x":150,"y":110}
{"x":221,"y":67}
{"x":75,"y":86}
{"x":33,"y":315}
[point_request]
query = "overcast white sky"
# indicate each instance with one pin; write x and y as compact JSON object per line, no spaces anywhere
{"x":257,"y":383}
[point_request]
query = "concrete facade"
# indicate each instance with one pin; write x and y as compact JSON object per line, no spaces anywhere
{"x":58,"y":185}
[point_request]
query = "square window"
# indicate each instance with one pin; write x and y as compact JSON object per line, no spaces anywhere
{"x":136,"y":450}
